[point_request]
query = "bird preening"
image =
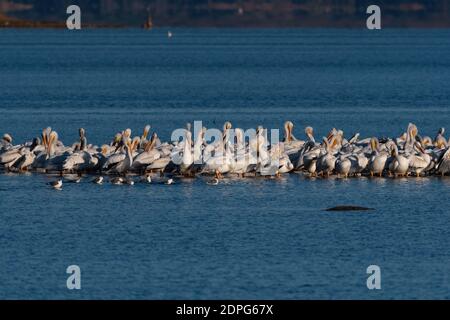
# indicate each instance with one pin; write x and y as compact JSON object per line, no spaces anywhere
{"x":235,"y":153}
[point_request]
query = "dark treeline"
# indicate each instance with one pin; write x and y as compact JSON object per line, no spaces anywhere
{"x":262,"y":13}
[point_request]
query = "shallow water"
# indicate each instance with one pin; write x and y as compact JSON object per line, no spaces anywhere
{"x":245,"y":238}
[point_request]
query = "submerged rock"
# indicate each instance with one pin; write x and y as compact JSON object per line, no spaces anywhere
{"x":349,"y":208}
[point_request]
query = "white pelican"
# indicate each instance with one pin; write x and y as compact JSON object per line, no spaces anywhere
{"x":25,"y":161}
{"x":444,"y":163}
{"x":326,"y":162}
{"x":6,"y":141}
{"x":122,"y":163}
{"x":188,"y":157}
{"x":221,"y":162}
{"x":411,"y":135}
{"x":440,"y":141}
{"x":145,"y":136}
{"x":378,"y":159}
{"x":290,"y":141}
{"x":419,"y":162}
{"x":8,"y":158}
{"x":80,"y":161}
{"x":244,"y":160}
{"x":398,"y":164}
{"x":148,"y":156}
{"x":343,"y":166}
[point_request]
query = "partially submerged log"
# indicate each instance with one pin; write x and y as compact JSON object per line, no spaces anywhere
{"x":349,"y":208}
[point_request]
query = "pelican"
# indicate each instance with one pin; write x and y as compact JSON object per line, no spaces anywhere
{"x":144,"y":136}
{"x":122,"y":163}
{"x":411,"y":135}
{"x":79,"y":161}
{"x":6,"y":141}
{"x":343,"y":166}
{"x":243,"y":160}
{"x":148,"y":156}
{"x":440,"y":141}
{"x":307,"y":159}
{"x":8,"y":158}
{"x":444,"y":164}
{"x":268,"y":162}
{"x":419,"y":162}
{"x":25,"y":161}
{"x":188,"y":157}
{"x":326,"y":162}
{"x":398,"y":164}
{"x":378,"y":159}
{"x":221,"y":162}
{"x":290,"y":141}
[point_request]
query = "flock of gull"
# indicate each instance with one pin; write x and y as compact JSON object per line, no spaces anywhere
{"x":237,"y":153}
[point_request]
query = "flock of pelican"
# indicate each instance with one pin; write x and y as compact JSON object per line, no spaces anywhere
{"x":126,"y":156}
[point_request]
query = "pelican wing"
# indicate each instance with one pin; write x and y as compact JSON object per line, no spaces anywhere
{"x":114,"y":159}
{"x":146,"y":158}
{"x":418,"y":161}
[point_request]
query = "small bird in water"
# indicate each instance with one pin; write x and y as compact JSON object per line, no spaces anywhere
{"x":169,"y":34}
{"x":213,"y":182}
{"x":56,"y":184}
{"x":117,"y":181}
{"x":147,"y":179}
{"x":169,"y":182}
{"x":130,"y":182}
{"x":98,"y":180}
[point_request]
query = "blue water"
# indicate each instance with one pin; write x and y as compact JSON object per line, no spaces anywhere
{"x":245,"y":238}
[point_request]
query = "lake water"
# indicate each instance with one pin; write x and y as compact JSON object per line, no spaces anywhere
{"x":245,"y":238}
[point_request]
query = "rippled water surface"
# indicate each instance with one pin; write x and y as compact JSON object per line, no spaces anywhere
{"x":245,"y":238}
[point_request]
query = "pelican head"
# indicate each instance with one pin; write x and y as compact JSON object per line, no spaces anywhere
{"x":412,"y":131}
{"x":403,"y":137}
{"x":374,"y":144}
{"x":331,"y":134}
{"x":7,"y":138}
{"x":82,"y":132}
{"x":426,"y":141}
{"x":288,"y":127}
{"x":104,"y":150}
{"x":127,"y":133}
{"x":441,"y":131}
{"x":149,"y":146}
{"x":134,"y":144}
{"x":146,"y":131}
{"x":117,"y":139}
{"x":188,"y":126}
{"x":418,"y":146}
{"x":239,"y":135}
{"x":441,"y":144}
{"x":227,"y":125}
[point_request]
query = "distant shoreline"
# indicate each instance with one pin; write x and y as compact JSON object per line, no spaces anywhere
{"x":386,"y":23}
